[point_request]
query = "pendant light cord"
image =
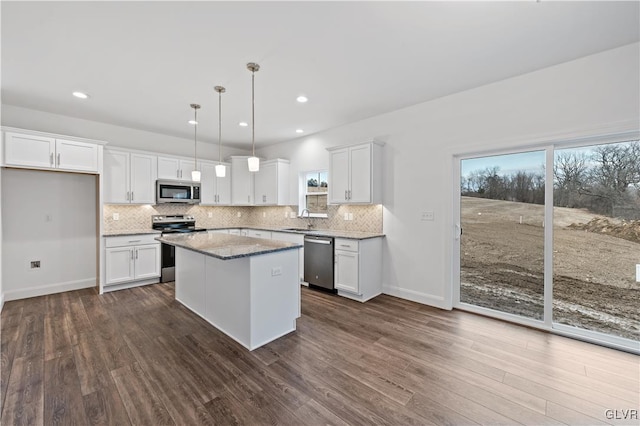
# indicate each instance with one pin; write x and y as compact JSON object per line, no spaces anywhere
{"x":195,"y":139}
{"x":220,"y":127}
{"x":253,"y":115}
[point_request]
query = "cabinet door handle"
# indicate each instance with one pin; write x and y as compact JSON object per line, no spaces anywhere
{"x":136,"y":253}
{"x":51,"y":158}
{"x":127,"y":195}
{"x":345,"y":194}
{"x":135,"y":241}
{"x":131,"y":254}
{"x":58,"y":159}
{"x":131,"y":195}
{"x":349,"y":194}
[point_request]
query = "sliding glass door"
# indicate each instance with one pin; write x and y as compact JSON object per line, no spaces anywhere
{"x":596,"y":238}
{"x":502,"y":241}
{"x":589,"y":199}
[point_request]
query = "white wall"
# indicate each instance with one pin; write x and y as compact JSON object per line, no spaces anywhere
{"x":51,"y":217}
{"x":592,"y":95}
{"x":29,"y":119}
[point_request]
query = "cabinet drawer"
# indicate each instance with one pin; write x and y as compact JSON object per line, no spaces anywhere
{"x":346,"y":245}
{"x":131,"y":240}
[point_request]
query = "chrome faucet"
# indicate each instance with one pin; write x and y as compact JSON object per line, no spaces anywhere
{"x":309,"y":224}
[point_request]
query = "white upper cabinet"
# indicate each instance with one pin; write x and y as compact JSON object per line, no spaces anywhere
{"x":129,"y":177}
{"x":242,"y":181}
{"x":37,"y":151}
{"x":175,"y":168}
{"x":214,"y":191}
{"x":272,"y":183}
{"x":355,"y":174}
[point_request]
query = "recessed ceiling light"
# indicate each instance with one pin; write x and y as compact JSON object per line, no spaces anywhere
{"x":194,"y":122}
{"x":302,"y":99}
{"x":299,"y":131}
{"x":80,"y":95}
{"x":243,"y":124}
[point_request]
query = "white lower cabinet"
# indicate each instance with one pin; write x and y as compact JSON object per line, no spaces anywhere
{"x":131,"y":259}
{"x":346,"y":271}
{"x":358,"y":268}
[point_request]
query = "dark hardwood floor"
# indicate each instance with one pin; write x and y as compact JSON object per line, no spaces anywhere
{"x":139,"y":357}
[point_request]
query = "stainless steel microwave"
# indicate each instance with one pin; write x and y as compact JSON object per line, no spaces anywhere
{"x":175,"y":191}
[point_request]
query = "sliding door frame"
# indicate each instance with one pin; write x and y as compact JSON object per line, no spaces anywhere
{"x":547,"y":323}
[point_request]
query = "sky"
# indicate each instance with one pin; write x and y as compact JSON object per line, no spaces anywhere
{"x":529,"y":162}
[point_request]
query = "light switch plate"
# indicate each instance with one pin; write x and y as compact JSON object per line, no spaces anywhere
{"x":116,"y":216}
{"x":638,"y":273}
{"x":210,"y":214}
{"x":346,"y":216}
{"x":239,"y":214}
{"x":350,"y":216}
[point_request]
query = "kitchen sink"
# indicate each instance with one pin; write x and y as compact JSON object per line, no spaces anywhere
{"x":297,"y":229}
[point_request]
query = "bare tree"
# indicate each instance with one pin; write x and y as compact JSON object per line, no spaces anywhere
{"x":570,"y":171}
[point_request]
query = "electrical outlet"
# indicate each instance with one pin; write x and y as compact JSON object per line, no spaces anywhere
{"x":427,"y":216}
{"x":286,"y":214}
{"x":116,"y":216}
{"x":210,"y":214}
{"x":35,"y":264}
{"x":264,"y":214}
{"x":239,"y":214}
{"x":346,"y":216}
{"x":350,"y":216}
{"x":48,"y":217}
{"x":293,"y":215}
{"x":275,"y":271}
{"x":638,"y":273}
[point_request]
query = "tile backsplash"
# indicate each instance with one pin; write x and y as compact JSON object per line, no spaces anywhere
{"x":365,"y":218}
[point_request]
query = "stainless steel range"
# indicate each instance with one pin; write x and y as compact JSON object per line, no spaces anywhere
{"x":172,"y":224}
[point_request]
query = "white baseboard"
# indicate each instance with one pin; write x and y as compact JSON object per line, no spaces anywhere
{"x":43,"y":290}
{"x":416,"y":296}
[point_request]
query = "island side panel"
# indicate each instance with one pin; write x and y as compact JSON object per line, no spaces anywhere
{"x":190,"y":280}
{"x":227,"y":297}
{"x":275,"y":296}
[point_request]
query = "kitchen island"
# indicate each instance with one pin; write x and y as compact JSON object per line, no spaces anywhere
{"x":248,"y":288}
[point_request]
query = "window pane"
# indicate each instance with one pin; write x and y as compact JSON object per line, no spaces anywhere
{"x":596,"y":238}
{"x":502,"y":243}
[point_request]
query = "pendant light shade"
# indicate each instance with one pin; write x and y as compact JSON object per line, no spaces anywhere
{"x":195,"y":174}
{"x":221,"y":170}
{"x":254,"y":162}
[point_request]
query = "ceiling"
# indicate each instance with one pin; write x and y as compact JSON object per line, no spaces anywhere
{"x":143,"y":63}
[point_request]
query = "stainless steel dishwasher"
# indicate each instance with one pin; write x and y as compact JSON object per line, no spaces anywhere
{"x":318,"y":262}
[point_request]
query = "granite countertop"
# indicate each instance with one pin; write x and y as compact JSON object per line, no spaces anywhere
{"x":226,"y":247}
{"x":353,"y":235}
{"x":130,"y":232}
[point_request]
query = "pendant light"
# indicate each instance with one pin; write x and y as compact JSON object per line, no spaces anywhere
{"x":254,"y":162}
{"x":195,"y":174}
{"x":221,"y":170}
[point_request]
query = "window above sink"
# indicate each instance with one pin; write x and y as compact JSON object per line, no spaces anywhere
{"x":314,"y":191}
